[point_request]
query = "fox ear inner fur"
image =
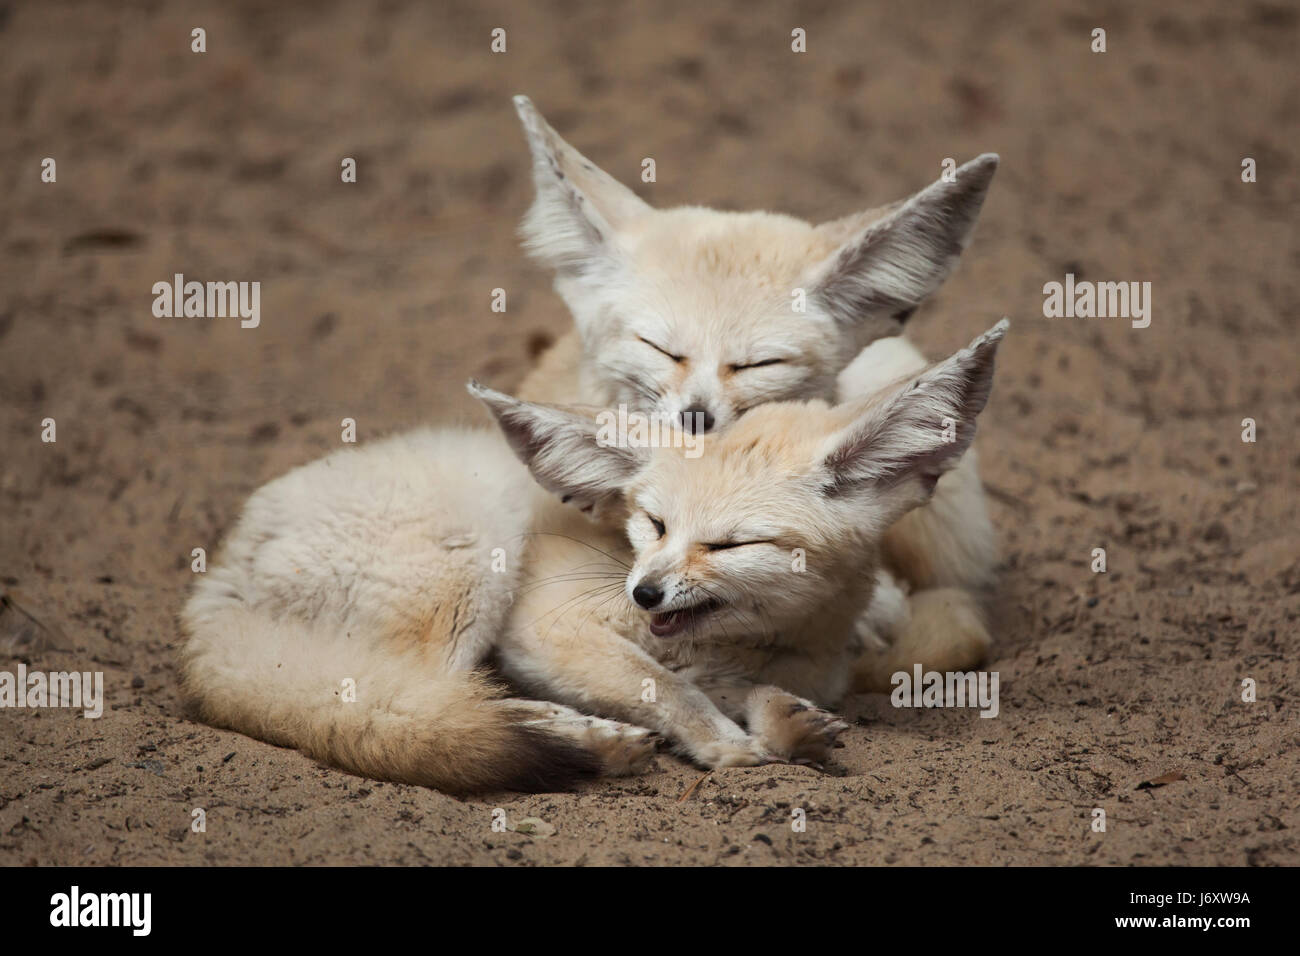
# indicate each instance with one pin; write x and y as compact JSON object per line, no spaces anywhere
{"x":579,"y":208}
{"x":881,"y":273}
{"x":905,"y":442}
{"x":561,"y":448}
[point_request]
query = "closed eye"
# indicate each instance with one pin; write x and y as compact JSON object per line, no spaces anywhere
{"x":676,"y":358}
{"x":728,"y":545}
{"x":659,"y":525}
{"x":760,"y":364}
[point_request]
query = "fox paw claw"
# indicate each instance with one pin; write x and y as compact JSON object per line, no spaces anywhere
{"x":806,"y":733}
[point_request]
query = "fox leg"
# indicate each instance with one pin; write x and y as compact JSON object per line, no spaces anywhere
{"x":600,"y":672}
{"x":942,"y":629}
{"x":944,"y":553}
{"x":623,"y":748}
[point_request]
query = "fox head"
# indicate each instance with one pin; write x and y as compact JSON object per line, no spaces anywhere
{"x":699,"y":315}
{"x":781,"y":513}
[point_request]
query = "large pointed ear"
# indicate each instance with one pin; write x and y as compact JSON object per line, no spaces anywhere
{"x":563,"y":449}
{"x":579,"y":209}
{"x":900,"y":443}
{"x":897,"y":256}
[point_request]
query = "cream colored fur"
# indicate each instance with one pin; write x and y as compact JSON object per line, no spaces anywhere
{"x":360,"y":596}
{"x":942,"y":554}
{"x":669,"y":305}
{"x":368,"y":567}
{"x":369,"y":570}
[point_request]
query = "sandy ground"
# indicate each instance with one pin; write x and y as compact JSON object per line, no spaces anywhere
{"x":375,"y":306}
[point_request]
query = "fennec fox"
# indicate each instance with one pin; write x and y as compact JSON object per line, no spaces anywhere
{"x":359,"y":595}
{"x":700,"y":314}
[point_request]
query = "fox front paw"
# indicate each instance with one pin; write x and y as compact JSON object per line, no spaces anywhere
{"x":797,"y":730}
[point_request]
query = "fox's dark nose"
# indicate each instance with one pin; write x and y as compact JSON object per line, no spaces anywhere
{"x":647,"y":595}
{"x":697,"y":418}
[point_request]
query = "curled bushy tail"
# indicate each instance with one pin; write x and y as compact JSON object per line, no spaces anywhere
{"x":412,"y":721}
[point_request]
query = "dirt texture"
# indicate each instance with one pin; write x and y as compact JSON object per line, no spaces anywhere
{"x":376,"y":306}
